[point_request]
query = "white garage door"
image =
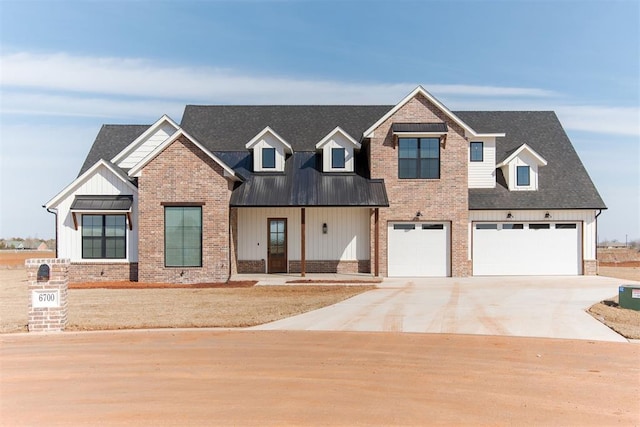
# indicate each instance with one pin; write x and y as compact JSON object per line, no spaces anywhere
{"x":501,"y":249}
{"x":418,"y":249}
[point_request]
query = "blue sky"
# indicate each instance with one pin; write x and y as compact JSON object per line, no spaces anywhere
{"x":66,"y":67}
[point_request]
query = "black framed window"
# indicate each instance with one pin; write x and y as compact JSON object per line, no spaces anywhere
{"x":476,"y":151}
{"x":183,"y":236}
{"x":539,"y":226}
{"x":337,"y":158}
{"x":419,"y":158}
{"x":104,"y":236}
{"x":268,"y":158}
{"x":523,"y":176}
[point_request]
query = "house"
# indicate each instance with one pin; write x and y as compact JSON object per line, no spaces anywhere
{"x":411,"y":189}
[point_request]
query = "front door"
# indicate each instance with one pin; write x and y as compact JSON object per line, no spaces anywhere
{"x":277,"y":248}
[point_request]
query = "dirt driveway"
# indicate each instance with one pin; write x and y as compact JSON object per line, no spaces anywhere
{"x":314,"y":378}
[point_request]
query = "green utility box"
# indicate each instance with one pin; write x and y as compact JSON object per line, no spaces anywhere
{"x":629,"y":297}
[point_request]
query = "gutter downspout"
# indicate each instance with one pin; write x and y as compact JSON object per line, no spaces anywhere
{"x":56,"y":223}
{"x":596,"y":218}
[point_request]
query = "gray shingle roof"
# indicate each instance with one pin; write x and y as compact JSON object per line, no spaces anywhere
{"x":229,"y":128}
{"x":562,"y":184}
{"x":110,"y":141}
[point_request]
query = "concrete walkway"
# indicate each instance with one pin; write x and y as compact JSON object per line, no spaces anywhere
{"x":552,"y":307}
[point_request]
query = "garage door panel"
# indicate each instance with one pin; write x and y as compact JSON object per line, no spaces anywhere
{"x":418,"y":250}
{"x":530,"y":250}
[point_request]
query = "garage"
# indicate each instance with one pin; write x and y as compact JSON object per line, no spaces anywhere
{"x":527,"y":249}
{"x":418,"y":249}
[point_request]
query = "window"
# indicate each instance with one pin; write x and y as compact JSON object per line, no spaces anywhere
{"x":565,"y":226}
{"x":183,"y":236}
{"x":486,"y":226}
{"x":432,"y":226}
{"x":539,"y":226}
{"x":419,"y":158}
{"x":513,"y":226}
{"x":522,"y":179}
{"x":476,"y":152}
{"x":404,"y":226}
{"x":337,"y":158}
{"x":104,"y":236}
{"x":268,"y":158}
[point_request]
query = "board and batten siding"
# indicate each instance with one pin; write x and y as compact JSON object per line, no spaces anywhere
{"x":347,"y":237}
{"x":147,"y":146}
{"x":103,"y":182}
{"x":483,"y":174}
{"x":585,"y":216}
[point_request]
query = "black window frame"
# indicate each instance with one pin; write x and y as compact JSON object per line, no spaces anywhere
{"x":103,"y":239}
{"x":334,"y":157}
{"x":420,"y":147}
{"x":472,"y":152}
{"x":272,"y":155}
{"x":183,"y":264}
{"x":518,"y":169}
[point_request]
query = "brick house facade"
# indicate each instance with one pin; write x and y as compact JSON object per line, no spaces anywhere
{"x":299,"y":189}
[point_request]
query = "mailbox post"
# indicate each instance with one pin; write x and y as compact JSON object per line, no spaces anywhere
{"x":48,"y":283}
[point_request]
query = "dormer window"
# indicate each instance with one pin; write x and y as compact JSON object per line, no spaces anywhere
{"x":269,"y":151}
{"x":338,"y":149}
{"x":520,"y":169}
{"x":268,"y":158}
{"x":337,"y":158}
{"x":523,"y":178}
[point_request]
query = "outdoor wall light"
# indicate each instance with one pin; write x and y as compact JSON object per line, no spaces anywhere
{"x":509,"y":216}
{"x":324,"y":228}
{"x":547,"y":215}
{"x":418,"y":214}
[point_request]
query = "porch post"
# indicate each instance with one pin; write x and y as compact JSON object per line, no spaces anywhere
{"x":302,"y":243}
{"x":376,"y":245}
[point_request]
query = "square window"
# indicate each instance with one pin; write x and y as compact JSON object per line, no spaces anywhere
{"x":104,"y":237}
{"x":419,"y":158}
{"x":476,"y":152}
{"x":523,"y":176}
{"x":268,"y":158}
{"x":337,"y":158}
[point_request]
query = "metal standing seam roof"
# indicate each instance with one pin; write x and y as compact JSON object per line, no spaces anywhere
{"x":303,"y":184}
{"x":419,"y":127}
{"x":102,"y":203}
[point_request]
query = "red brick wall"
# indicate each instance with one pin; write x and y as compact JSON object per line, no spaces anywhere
{"x":444,"y":199}
{"x":182,"y":173}
{"x":329,"y":266}
{"x":103,"y":272}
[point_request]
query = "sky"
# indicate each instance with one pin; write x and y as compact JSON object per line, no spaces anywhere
{"x":67,"y":67}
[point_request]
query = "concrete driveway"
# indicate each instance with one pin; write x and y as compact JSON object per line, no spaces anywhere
{"x":552,"y":307}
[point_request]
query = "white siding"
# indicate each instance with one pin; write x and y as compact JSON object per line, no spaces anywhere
{"x":347,"y":235}
{"x":483,"y":174}
{"x":510,"y":172}
{"x":338,"y":141}
{"x":268,"y":141}
{"x":102,"y":182}
{"x":147,"y":146}
{"x":586,"y":217}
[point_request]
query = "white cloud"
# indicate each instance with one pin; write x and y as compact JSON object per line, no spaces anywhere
{"x":63,"y":84}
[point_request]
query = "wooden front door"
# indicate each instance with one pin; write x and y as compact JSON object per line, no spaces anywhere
{"x":277,"y":245}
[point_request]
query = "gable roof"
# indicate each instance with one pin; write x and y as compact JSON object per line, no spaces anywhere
{"x":432,"y":99}
{"x":339,"y":130}
{"x":85,"y":175}
{"x":562,"y":184}
{"x":140,"y":139}
{"x":228,"y":128}
{"x":228,"y":172}
{"x":523,"y":148}
{"x":265,"y":131}
{"x":111,"y":139}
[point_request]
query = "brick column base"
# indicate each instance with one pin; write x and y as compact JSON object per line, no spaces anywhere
{"x":48,"y":283}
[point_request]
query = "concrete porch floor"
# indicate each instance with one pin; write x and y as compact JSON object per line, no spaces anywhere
{"x":322,"y":278}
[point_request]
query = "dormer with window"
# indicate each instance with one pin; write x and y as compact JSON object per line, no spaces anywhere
{"x":338,"y":149}
{"x":520,"y":169}
{"x":269,"y":151}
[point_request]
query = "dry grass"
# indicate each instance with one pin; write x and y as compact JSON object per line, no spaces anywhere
{"x":624,"y":321}
{"x":10,"y":259}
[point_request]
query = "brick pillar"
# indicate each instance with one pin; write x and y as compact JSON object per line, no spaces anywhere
{"x":48,"y":283}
